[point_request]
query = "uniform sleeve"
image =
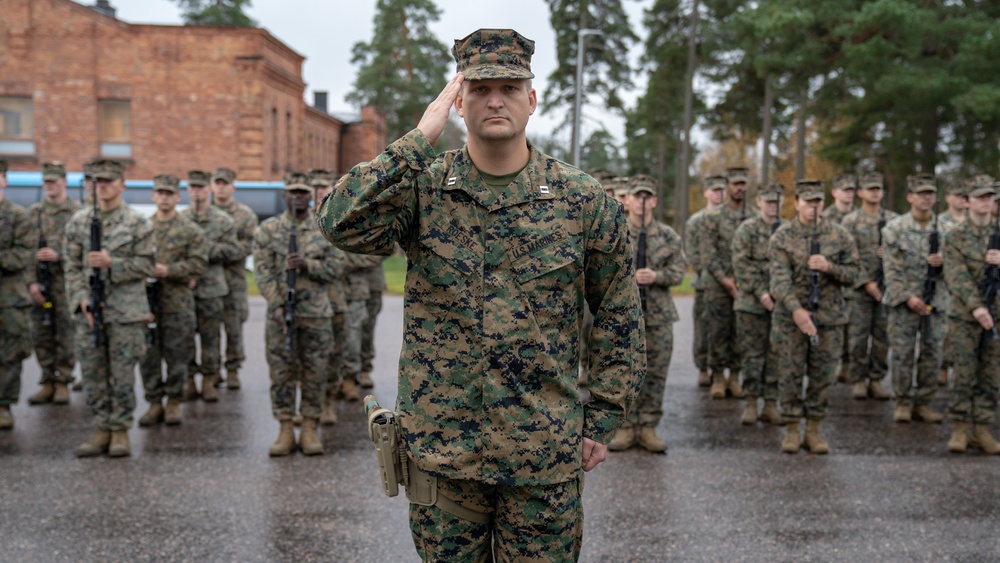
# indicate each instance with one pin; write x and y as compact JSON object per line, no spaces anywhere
{"x":76,"y":279}
{"x":35,"y":235}
{"x":19,"y":255}
{"x":844,"y":264}
{"x":141,"y":260}
{"x":669,"y":262}
{"x":195,"y":261}
{"x":225,"y":249}
{"x":895,"y":267}
{"x":960,"y":279}
{"x":781,"y":272}
{"x":267,"y":271}
{"x":327,"y":266}
{"x":246,"y":224}
{"x":743,"y":266}
{"x":690,"y":245}
{"x":711,"y":250}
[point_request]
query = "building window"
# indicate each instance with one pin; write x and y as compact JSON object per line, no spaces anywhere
{"x":17,"y":126}
{"x":116,"y":125}
{"x":275,"y":148}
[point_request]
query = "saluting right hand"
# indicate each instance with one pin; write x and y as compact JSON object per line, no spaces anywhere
{"x":436,"y":115}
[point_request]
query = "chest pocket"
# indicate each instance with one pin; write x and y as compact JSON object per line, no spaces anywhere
{"x":444,"y":265}
{"x":546,"y":278}
{"x":117,"y":242}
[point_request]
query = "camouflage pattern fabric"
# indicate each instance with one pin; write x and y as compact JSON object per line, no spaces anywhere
{"x":692,"y":231}
{"x":16,"y":258}
{"x":338,"y":334}
{"x":235,"y":307}
{"x":494,"y":296}
{"x":905,"y":330}
{"x":357,"y":315}
{"x":907,"y":246}
{"x":494,"y":53}
{"x":220,"y":236}
{"x":109,"y":372}
{"x":305,"y":368}
{"x":181,"y":245}
{"x":760,"y":358}
{"x":552,"y":513}
{"x":835,"y":215}
{"x":16,"y":349}
{"x":206,"y":357}
{"x":376,"y":286}
{"x":177,"y":332}
{"x":948,"y":222}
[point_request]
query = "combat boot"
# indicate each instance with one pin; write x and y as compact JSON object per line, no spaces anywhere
{"x":877,"y":392}
{"x":623,"y":440}
{"x":770,"y":413}
{"x":860,"y":391}
{"x":96,"y":445}
{"x":153,"y":416}
{"x":814,"y":442}
{"x":285,"y":442}
{"x":308,"y":440}
{"x":704,"y":378}
{"x":926,"y":414}
{"x":902,"y":414}
{"x":172,"y":414}
{"x":297,"y":419}
{"x":959,"y":441}
{"x":649,"y":441}
{"x":943,"y":377}
{"x":119,"y":444}
{"x":329,"y":416}
{"x":842,"y":372}
{"x":750,"y":412}
{"x":718,"y":388}
{"x":733,"y":387}
{"x":190,"y":389}
{"x":6,"y":418}
{"x":209,"y":393}
{"x":793,"y":440}
{"x":365,"y":380}
{"x":43,"y":395}
{"x":61,"y":395}
{"x":982,"y":440}
{"x":78,"y":385}
{"x":233,"y":379}
{"x":349,"y":388}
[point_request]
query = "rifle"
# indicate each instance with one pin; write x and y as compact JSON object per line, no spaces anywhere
{"x":97,"y":293}
{"x":45,"y":279}
{"x":814,"y":281}
{"x":930,"y":282}
{"x":640,"y":261}
{"x":880,"y":273}
{"x":154,"y":296}
{"x":291,"y":276}
{"x":991,"y":279}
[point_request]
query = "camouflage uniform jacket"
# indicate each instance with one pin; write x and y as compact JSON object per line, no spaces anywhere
{"x":181,"y":245}
{"x":220,"y":236}
{"x":716,"y":249}
{"x":16,"y":255}
{"x":495,"y":291}
{"x":907,"y":246}
{"x":356,"y":269}
{"x":864,"y":231}
{"x":376,"y":276}
{"x":236,"y":265}
{"x":789,"y":257}
{"x":692,"y":234}
{"x":53,"y":219}
{"x":131,"y":241}
{"x":336,"y":291}
{"x":948,"y":222}
{"x":835,"y":215}
{"x":751,"y":263}
{"x":323,"y":265}
{"x":965,"y":263}
{"x":665,"y":257}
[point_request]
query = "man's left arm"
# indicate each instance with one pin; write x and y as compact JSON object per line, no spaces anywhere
{"x":140,"y":261}
{"x":668,"y":260}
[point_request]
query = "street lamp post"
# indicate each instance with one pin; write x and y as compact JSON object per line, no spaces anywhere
{"x":580,"y":35}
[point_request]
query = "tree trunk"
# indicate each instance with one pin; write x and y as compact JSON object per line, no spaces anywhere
{"x":765,"y":153}
{"x":800,"y":136}
{"x":681,"y":185}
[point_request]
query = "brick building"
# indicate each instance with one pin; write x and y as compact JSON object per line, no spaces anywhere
{"x":78,"y":83}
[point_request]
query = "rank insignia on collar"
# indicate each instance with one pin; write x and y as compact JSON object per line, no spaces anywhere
{"x":543,"y":189}
{"x":452,"y":180}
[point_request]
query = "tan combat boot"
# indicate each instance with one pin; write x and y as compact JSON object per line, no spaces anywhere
{"x":943,"y":377}
{"x":902,"y":414}
{"x":959,"y":441}
{"x":285,"y":442}
{"x":733,"y":387}
{"x":982,"y":440}
{"x":233,"y":379}
{"x":750,"y":412}
{"x":172,"y":414}
{"x":792,"y":441}
{"x":704,"y":378}
{"x":328,"y":416}
{"x":297,"y":419}
{"x":153,"y":416}
{"x":623,"y":440}
{"x":859,"y":390}
{"x":6,"y":418}
{"x":96,"y":445}
{"x":61,"y":395}
{"x":190,"y":389}
{"x":365,"y":380}
{"x":718,"y":388}
{"x":119,"y":444}
{"x":308,"y":440}
{"x":877,"y":392}
{"x":349,"y":388}
{"x":770,"y":413}
{"x":649,"y":441}
{"x":43,"y":395}
{"x":926,"y":414}
{"x":814,"y":442}
{"x":209,"y":393}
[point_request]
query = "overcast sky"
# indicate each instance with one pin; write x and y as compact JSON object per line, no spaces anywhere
{"x":324,"y":32}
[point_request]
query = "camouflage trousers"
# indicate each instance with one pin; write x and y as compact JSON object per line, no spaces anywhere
{"x":339,"y":331}
{"x":946,"y":360}
{"x":234,"y":314}
{"x":541,"y":523}
{"x":176,"y":331}
{"x":374,"y":307}
{"x":357,"y":315}
{"x":720,"y":331}
{"x":905,"y":329}
{"x":797,"y":360}
{"x":54,"y":346}
{"x":304,"y":367}
{"x":760,"y":360}
{"x":648,"y":407}
{"x":699,"y":347}
{"x":209,"y":314}
{"x":867,"y":361}
{"x":972,"y":396}
{"x":15,"y":331}
{"x":109,"y":371}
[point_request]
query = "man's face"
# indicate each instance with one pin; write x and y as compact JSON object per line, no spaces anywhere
{"x":808,"y":209}
{"x":769,"y":209}
{"x":198,"y":194}
{"x":108,"y":191}
{"x":222,"y":189}
{"x":297,"y":200}
{"x":636,"y":203}
{"x":844,"y":196}
{"x":957,"y":202}
{"x":3,"y":182}
{"x":715,"y":197}
{"x":54,"y":189}
{"x":921,"y":201}
{"x":982,"y":205}
{"x":736,"y":191}
{"x":165,"y":200}
{"x":871,"y":194}
{"x":322,"y":192}
{"x":496,"y":110}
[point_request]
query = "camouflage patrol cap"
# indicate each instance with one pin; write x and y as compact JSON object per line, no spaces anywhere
{"x":296,"y":181}
{"x":642,"y":183}
{"x":809,"y":189}
{"x":959,"y":189}
{"x":197,"y":178}
{"x":738,"y":174}
{"x":602,"y":175}
{"x":920,"y":183}
{"x":167,"y":183}
{"x":88,"y":171}
{"x":717,"y":182}
{"x":487,"y":54}
{"x":52,"y":171}
{"x":983,"y":185}
{"x":320,"y":177}
{"x":107,"y":170}
{"x":872,"y":180}
{"x":227,"y":175}
{"x":772,"y":191}
{"x":979,"y":179}
{"x":620,"y":185}
{"x":845,"y":182}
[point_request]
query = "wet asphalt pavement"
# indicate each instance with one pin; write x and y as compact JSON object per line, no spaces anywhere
{"x":207,"y":490}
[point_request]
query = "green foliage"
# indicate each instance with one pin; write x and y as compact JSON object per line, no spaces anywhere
{"x":395,"y":273}
{"x":402,"y":69}
{"x":224,"y":13}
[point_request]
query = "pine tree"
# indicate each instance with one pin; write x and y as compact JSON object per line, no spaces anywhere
{"x":226,"y":13}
